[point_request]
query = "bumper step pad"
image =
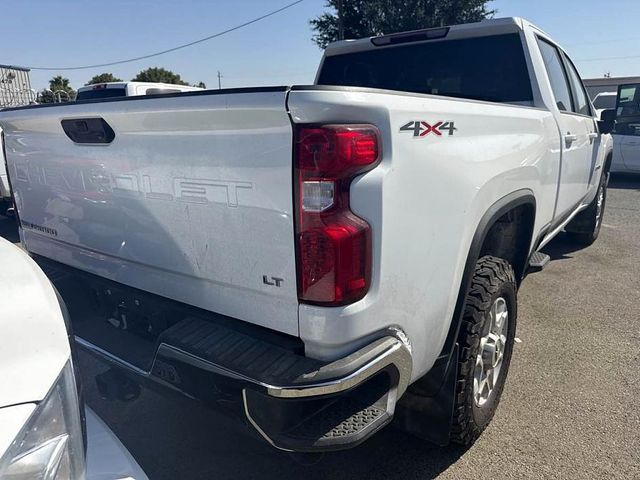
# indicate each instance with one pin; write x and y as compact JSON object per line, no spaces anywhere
{"x":242,"y":356}
{"x":294,"y":402}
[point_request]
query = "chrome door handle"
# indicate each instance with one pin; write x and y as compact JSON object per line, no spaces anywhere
{"x":569,"y":139}
{"x":592,"y":136}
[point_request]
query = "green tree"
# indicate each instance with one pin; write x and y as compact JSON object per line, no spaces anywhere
{"x":58,"y":83}
{"x":103,"y":78}
{"x":366,"y":18}
{"x":59,"y":91}
{"x":159,"y":75}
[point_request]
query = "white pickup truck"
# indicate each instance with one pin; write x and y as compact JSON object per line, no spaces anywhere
{"x":100,"y":91}
{"x":320,"y":258}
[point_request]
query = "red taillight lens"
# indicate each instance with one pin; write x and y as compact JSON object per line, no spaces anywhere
{"x":337,"y":151}
{"x":334,"y":244}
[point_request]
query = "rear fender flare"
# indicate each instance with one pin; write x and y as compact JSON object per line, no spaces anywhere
{"x":430,"y":384}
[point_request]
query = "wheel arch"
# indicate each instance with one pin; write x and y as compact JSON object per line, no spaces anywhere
{"x":524,"y":198}
{"x":520,"y":198}
{"x":607,"y":162}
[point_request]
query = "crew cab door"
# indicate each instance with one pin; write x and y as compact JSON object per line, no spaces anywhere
{"x":576,"y":124}
{"x":627,"y":130}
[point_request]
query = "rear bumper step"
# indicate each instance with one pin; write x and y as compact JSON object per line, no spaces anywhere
{"x":294,"y":402}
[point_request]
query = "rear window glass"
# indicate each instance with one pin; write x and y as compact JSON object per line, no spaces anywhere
{"x":102,"y":93}
{"x":489,"y":68}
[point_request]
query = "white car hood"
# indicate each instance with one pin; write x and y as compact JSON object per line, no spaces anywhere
{"x":33,"y":338}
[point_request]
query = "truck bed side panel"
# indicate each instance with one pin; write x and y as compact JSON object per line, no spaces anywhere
{"x":424,"y":203}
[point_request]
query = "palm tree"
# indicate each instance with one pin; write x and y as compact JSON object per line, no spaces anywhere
{"x":61,"y":90}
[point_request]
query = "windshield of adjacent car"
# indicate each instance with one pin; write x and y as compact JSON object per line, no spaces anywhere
{"x":604,"y":101}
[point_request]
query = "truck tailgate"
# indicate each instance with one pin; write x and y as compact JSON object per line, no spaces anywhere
{"x":192,"y":199}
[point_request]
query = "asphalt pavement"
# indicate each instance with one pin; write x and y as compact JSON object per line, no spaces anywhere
{"x":570,"y":409}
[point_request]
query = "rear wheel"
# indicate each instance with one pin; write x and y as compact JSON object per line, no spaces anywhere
{"x":486,"y":341}
{"x":585,"y":227}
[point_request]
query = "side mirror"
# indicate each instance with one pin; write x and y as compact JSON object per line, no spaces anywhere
{"x":607,"y":120}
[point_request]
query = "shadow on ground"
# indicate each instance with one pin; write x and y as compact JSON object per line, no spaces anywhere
{"x":561,"y":247}
{"x":175,"y":437}
{"x":625,"y":181}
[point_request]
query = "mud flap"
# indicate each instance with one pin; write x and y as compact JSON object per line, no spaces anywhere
{"x":425,"y":411}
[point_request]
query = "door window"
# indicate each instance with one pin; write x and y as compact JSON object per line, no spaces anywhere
{"x":581,"y":104}
{"x":557,"y":75}
{"x":628,"y":111}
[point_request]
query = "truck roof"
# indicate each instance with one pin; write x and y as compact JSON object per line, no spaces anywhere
{"x":485,"y":27}
{"x":144,"y":84}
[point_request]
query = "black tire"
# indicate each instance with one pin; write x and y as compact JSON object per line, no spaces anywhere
{"x":493,"y":279}
{"x":585,"y":227}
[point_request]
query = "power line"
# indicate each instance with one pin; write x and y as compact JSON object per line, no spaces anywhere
{"x":169,"y":50}
{"x":599,"y":42}
{"x":284,"y":73}
{"x":606,"y":58}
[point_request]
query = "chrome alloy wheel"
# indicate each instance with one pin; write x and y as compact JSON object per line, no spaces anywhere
{"x":492,"y":346}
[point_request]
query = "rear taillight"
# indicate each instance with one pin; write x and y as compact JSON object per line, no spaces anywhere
{"x":334,"y":244}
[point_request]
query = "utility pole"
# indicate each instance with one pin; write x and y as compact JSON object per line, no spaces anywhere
{"x":340,"y":23}
{"x":219,"y":83}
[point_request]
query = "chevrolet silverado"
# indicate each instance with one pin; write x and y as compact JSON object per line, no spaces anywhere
{"x":320,"y":259}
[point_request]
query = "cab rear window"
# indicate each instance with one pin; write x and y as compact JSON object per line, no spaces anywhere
{"x":98,"y":93}
{"x":491,"y":68}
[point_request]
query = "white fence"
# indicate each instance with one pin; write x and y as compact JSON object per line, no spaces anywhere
{"x":15,"y":87}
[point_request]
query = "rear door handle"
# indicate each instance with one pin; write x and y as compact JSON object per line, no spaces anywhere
{"x":592,"y":136}
{"x":569,"y":139}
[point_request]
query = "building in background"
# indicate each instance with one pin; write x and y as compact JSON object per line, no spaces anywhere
{"x":606,"y":84}
{"x":15,"y":87}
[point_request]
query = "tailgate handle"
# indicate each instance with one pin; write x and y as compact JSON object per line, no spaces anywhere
{"x":88,"y":130}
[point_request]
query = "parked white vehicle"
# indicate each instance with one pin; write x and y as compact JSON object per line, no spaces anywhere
{"x":127,"y":89}
{"x":330,"y":255}
{"x":604,"y":101}
{"x":626,"y":151}
{"x":42,"y":421}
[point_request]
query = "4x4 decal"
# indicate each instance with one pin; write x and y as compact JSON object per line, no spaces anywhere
{"x":422,"y":129}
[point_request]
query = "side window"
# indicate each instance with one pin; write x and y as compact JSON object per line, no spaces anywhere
{"x":628,"y":112}
{"x":579,"y":95}
{"x":628,"y":100}
{"x":161,"y":91}
{"x":557,"y":75}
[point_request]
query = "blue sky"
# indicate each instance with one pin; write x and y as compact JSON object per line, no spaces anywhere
{"x":275,"y":51}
